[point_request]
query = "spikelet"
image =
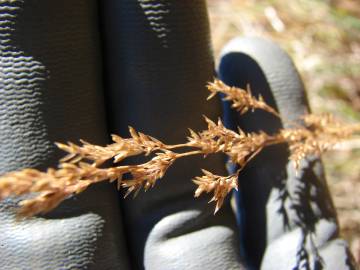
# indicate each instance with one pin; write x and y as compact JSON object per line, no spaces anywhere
{"x":139,"y":143}
{"x":220,"y":185}
{"x":145,"y":175}
{"x":246,"y":148}
{"x":241,"y":147}
{"x":54,"y":185}
{"x":241,"y":99}
{"x":216,"y":138}
{"x":320,"y":133}
{"x":42,"y":203}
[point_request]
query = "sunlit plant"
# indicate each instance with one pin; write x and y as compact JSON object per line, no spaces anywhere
{"x":84,"y":163}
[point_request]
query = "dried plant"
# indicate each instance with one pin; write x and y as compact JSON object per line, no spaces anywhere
{"x":145,"y":175}
{"x":83,"y":165}
{"x":220,"y":185}
{"x":139,"y":143}
{"x":242,"y":100}
{"x":320,"y":133}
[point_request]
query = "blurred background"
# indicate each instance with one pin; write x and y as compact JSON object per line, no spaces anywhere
{"x":323,"y":38}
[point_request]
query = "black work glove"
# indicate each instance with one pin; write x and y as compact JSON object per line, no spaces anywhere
{"x":85,"y":69}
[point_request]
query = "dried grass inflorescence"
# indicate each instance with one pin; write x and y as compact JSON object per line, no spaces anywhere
{"x":145,"y":175}
{"x":120,"y":149}
{"x":242,"y":100}
{"x":220,"y":185}
{"x":320,"y":133}
{"x":83,"y":165}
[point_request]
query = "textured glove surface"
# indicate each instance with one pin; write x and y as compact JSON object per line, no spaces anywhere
{"x":50,"y":90}
{"x":158,"y":62}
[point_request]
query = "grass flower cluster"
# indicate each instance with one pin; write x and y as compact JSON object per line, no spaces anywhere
{"x":84,"y":163}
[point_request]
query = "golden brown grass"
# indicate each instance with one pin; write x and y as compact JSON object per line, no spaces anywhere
{"x":242,"y":100}
{"x":82,"y":166}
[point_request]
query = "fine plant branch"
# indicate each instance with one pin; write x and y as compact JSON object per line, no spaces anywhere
{"x":220,"y":185}
{"x":242,"y":100}
{"x":84,"y":163}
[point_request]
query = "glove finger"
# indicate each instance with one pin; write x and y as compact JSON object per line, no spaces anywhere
{"x":51,"y":91}
{"x":273,"y":199}
{"x":158,"y":62}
